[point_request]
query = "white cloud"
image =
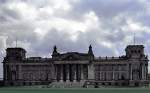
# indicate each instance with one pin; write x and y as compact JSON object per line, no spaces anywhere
{"x":27,"y":12}
{"x":3,"y":46}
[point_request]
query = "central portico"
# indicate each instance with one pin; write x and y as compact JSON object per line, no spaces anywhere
{"x":71,"y":66}
{"x":71,"y":72}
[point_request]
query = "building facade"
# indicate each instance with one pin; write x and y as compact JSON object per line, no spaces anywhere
{"x":73,"y":68}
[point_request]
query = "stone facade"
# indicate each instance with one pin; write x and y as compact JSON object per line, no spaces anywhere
{"x":148,"y":76}
{"x":130,"y":69}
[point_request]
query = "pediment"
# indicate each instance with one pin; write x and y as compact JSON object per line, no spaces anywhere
{"x":71,"y":56}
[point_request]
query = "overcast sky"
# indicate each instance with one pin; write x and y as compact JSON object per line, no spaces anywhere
{"x":72,"y":25}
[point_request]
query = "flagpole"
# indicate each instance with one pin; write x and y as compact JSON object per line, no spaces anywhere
{"x":134,"y":39}
{"x":16,"y":42}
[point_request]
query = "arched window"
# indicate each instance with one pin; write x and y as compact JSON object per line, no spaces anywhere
{"x":139,"y":51}
{"x":135,"y":51}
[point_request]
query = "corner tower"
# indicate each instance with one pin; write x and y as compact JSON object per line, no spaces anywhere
{"x":135,"y":51}
{"x":11,"y":65}
{"x":138,"y":65}
{"x":15,"y":54}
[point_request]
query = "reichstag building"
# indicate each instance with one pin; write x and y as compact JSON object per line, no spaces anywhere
{"x":74,"y":69}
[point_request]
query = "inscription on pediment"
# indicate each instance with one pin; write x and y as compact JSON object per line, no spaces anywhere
{"x":71,"y":57}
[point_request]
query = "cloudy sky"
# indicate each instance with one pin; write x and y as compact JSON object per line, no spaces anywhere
{"x":72,"y":25}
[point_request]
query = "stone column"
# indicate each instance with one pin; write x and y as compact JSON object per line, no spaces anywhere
{"x":56,"y":72}
{"x":82,"y":74}
{"x":78,"y":72}
{"x":131,"y":72}
{"x":67,"y":73}
{"x":91,"y":72}
{"x":146,"y":72}
{"x":127,"y":71}
{"x":113,"y":75}
{"x":20,"y":73}
{"x":112,"y":72}
{"x":61,"y":73}
{"x":75,"y":73}
{"x":143,"y":67}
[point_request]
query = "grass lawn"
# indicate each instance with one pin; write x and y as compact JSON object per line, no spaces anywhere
{"x":84,"y":90}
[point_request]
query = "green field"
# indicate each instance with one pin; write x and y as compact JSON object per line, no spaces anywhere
{"x":84,"y":90}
